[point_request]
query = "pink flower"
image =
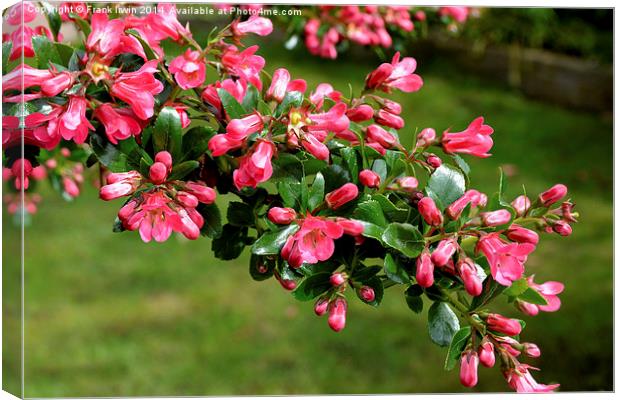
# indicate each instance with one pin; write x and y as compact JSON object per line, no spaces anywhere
{"x":531,"y":350}
{"x":341,"y":196}
{"x":73,"y":124}
{"x":390,"y":120}
{"x":381,"y":136}
{"x":240,"y":129}
{"x":119,"y":185}
{"x":444,"y":252}
{"x":57,"y":84}
{"x":255,"y":167}
{"x":520,"y":234}
{"x":458,"y":13}
{"x":469,"y":274}
{"x":351,"y":227}
{"x":19,"y":11}
{"x":255,"y":24}
{"x":244,"y":64}
{"x":430,"y":212}
{"x":315,"y":147}
{"x":521,"y":205}
{"x":455,"y":209}
{"x":367,"y":293}
{"x":282,"y":216}
{"x":520,"y":379}
{"x":506,"y":259}
{"x":552,"y":195}
{"x":562,"y":228}
{"x":487,"y":354}
{"x":313,"y":242}
{"x":369,"y":178}
{"x":335,"y":120}
{"x":281,"y":84}
{"x":138,"y":89}
{"x":322,"y":91}
{"x":407,"y":183}
{"x":363,"y":112}
{"x":496,"y":218}
{"x":398,"y":75}
{"x":22,"y":43}
{"x":203,"y":193}
{"x":469,"y":368}
{"x":475,"y":140}
{"x":337,"y":314}
{"x":164,"y":23}
{"x":320,"y":307}
{"x":105,"y":34}
{"x":337,"y":279}
{"x":70,"y":187}
{"x":31,"y":77}
{"x":158,"y":173}
{"x":434,"y":161}
{"x":424,"y":270}
{"x":501,"y":324}
{"x":118,"y":125}
{"x":189,"y":69}
{"x":549,"y":290}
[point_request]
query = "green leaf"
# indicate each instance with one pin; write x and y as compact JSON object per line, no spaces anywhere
{"x":370,"y":211}
{"x":349,"y":154}
{"x":317,"y":192}
{"x":442,"y":324}
{"x":65,"y":52}
{"x":532,"y":296}
{"x":395,"y":270}
{"x":240,"y":214}
{"x":457,"y":345}
{"x":45,"y":51}
{"x":271,"y":242}
{"x":395,"y":163}
{"x":490,"y":290}
{"x":196,"y":141}
{"x":233,"y":109}
{"x":517,"y":288}
{"x":148,"y":50}
{"x":390,"y":209}
{"x":250,"y":101}
{"x":181,"y":170}
{"x":213,"y":220}
{"x":261,"y":268}
{"x":167,"y":132}
{"x":53,"y":18}
{"x":404,"y":238}
{"x":446,"y":185}
{"x":313,"y":286}
{"x":364,"y":273}
{"x":372,"y":231}
{"x":6,"y":51}
{"x":108,"y":154}
{"x":291,"y":99}
{"x":413,"y":296}
{"x":82,"y":24}
{"x":289,"y":191}
{"x":231,"y":242}
{"x":335,"y":176}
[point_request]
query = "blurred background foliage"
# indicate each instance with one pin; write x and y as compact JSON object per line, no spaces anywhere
{"x":107,"y":315}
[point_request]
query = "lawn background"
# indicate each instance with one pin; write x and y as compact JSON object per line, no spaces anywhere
{"x":107,"y":315}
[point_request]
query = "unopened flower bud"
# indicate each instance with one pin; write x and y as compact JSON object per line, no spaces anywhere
{"x":341,"y":196}
{"x":563,"y":228}
{"x":487,"y":354}
{"x":430,"y":212}
{"x":426,"y":137}
{"x":158,"y":173}
{"x":360,"y":113}
{"x":469,"y":274}
{"x":521,"y":205}
{"x":531,"y":350}
{"x":527,"y":308}
{"x":434,"y":161}
{"x":367,"y":293}
{"x":407,"y":183}
{"x":553,"y":194}
{"x":501,"y":324}
{"x":444,"y":252}
{"x":165,"y":158}
{"x":425,"y":270}
{"x":281,"y":215}
{"x":469,"y":368}
{"x":337,"y":279}
{"x":522,"y":235}
{"x":496,"y":218}
{"x":320,"y":307}
{"x":369,"y":178}
{"x":337,"y":314}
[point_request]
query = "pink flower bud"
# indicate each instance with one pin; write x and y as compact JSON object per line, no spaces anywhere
{"x":367,"y":293}
{"x":21,"y":166}
{"x":165,"y":158}
{"x":279,"y":83}
{"x":474,"y":197}
{"x":471,"y":280}
{"x":260,"y":26}
{"x":57,"y":84}
{"x":187,"y":199}
{"x":241,"y":128}
{"x":527,"y":308}
{"x":381,"y":136}
{"x":203,"y":193}
{"x":469,"y":368}
{"x":501,"y":324}
{"x":531,"y":350}
{"x":426,"y":137}
{"x":496,"y":218}
{"x":351,"y":227}
{"x":51,"y":163}
{"x":430,"y":212}
{"x":281,"y":215}
{"x":444,"y":252}
{"x":392,"y":106}
{"x":71,"y":188}
{"x":434,"y":161}
{"x":563,"y":228}
{"x":337,"y":314}
{"x":369,"y":178}
{"x":487,"y":354}
{"x":552,"y":195}
{"x":158,"y":173}
{"x":320,"y":307}
{"x":360,"y":113}
{"x":424,"y":270}
{"x":337,"y":279}
{"x":390,"y":120}
{"x":287,"y":284}
{"x":407,"y":183}
{"x":38,"y":173}
{"x":521,"y":205}
{"x":522,"y":235}
{"x":65,"y":152}
{"x":341,"y":196}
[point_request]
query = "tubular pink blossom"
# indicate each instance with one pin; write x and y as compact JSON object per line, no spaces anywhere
{"x":521,"y":205}
{"x":25,"y":10}
{"x":337,"y":314}
{"x":221,"y":144}
{"x":240,"y":129}
{"x":520,"y":234}
{"x":138,"y":88}
{"x":281,"y":216}
{"x":350,"y":227}
{"x":203,"y":193}
{"x":444,"y":252}
{"x":548,"y":290}
{"x":430,"y":212}
{"x":520,"y":379}
{"x":73,"y":124}
{"x":496,"y":218}
{"x":552,"y":194}
{"x":335,"y":120}
{"x":117,"y":126}
{"x":381,"y":136}
{"x":469,"y":369}
{"x":105,"y":34}
{"x":506,"y":259}
{"x":487,"y":354}
{"x":315,"y":147}
{"x":22,"y":43}
{"x":244,"y":64}
{"x":279,"y":83}
{"x":424,"y":270}
{"x":255,"y":167}
{"x":390,"y":120}
{"x":369,"y":178}
{"x":501,"y":324}
{"x":57,"y":84}
{"x":531,"y":350}
{"x":407,"y":183}
{"x":341,"y":196}
{"x":363,"y":112}
{"x":189,"y":69}
{"x":455,"y":209}
{"x":469,"y":275}
{"x":475,"y":140}
{"x":313,"y":242}
{"x":258,"y":25}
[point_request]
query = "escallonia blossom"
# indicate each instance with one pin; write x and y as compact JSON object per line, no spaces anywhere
{"x":475,"y":140}
{"x":189,"y":69}
{"x":396,"y":75}
{"x":506,"y":259}
{"x":138,"y":89}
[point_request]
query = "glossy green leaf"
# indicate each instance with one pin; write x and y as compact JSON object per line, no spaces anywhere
{"x":404,"y":238}
{"x":313,"y":286}
{"x":317,"y":192}
{"x":370,"y":211}
{"x":442,"y":323}
{"x":261,"y":268}
{"x":291,"y":99}
{"x":240,"y":214}
{"x":457,"y":345}
{"x":212,"y":226}
{"x":271,"y":242}
{"x":446,"y":185}
{"x":233,"y":109}
{"x":230,"y":243}
{"x":167,"y":132}
{"x":180,"y":171}
{"x":45,"y":52}
{"x":196,"y":141}
{"x":413,"y":296}
{"x":395,"y":270}
{"x":532,"y":296}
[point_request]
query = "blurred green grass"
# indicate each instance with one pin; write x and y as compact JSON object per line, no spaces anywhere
{"x":107,"y":315}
